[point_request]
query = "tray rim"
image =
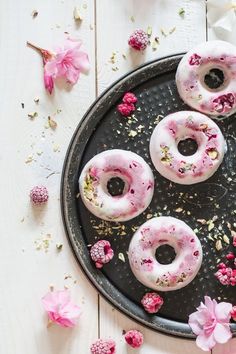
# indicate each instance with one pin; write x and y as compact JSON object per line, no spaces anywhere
{"x":174,"y":328}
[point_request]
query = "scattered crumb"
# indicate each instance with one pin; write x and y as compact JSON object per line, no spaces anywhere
{"x":149,"y":31}
{"x":91,"y":27}
{"x":179,"y":210}
{"x":59,"y":246}
{"x":22,"y":105}
{"x":115,"y":68}
{"x":202,"y":221}
{"x":77,"y":14}
{"x":132,"y":133}
{"x":39,"y":152}
{"x":85,"y":6}
{"x":43,"y":243}
{"x":155,"y":43}
{"x":181,"y":12}
{"x":56,"y":148}
{"x":132,"y":19}
{"x":172,"y":30}
{"x":32,"y":115}
{"x":51,"y":287}
{"x":29,"y":159}
{"x":52,"y":123}
{"x":34,"y":13}
{"x":226,"y":239}
{"x":163,"y":32}
{"x":124,"y":56}
{"x":121,"y":257}
{"x":218,"y":245}
{"x":36,"y":100}
{"x":22,"y":220}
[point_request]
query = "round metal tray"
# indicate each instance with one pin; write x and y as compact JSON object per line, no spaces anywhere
{"x":104,"y":128}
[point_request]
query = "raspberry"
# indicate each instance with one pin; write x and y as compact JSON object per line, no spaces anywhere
{"x":224,"y":103}
{"x":129,"y":98}
{"x":230,"y":256}
{"x":101,"y":253}
{"x":195,"y":59}
{"x":125,"y":109}
{"x":138,"y":40}
{"x":234,"y":240}
{"x":134,"y":338}
{"x":39,"y":195}
{"x":102,"y":346}
{"x":152,"y":302}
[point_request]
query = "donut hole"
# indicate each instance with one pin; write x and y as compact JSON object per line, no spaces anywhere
{"x":116,"y":186}
{"x":214,"y":78}
{"x":187,"y":147}
{"x":165,"y":254}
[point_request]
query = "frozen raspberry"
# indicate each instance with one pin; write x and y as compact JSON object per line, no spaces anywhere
{"x":101,"y":253}
{"x":195,"y":59}
{"x":152,"y":302}
{"x":134,"y":338}
{"x":230,"y":256}
{"x":233,"y":313}
{"x":102,"y":346}
{"x":138,"y":40}
{"x":39,"y":195}
{"x":126,"y":109}
{"x":129,"y":98}
{"x":224,"y":103}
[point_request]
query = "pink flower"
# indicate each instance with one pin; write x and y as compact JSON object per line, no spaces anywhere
{"x":210,"y":323}
{"x":68,"y":62}
{"x":60,"y":308}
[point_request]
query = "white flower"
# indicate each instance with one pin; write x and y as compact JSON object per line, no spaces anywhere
{"x":221,"y":14}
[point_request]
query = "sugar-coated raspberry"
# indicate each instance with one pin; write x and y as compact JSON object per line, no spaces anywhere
{"x":233,"y":313}
{"x":102,"y":346}
{"x":39,"y":195}
{"x":226,"y":276}
{"x":126,"y":109}
{"x":129,"y":97}
{"x":138,"y":40}
{"x":134,"y":338}
{"x":152,"y":302}
{"x":101,"y":253}
{"x":230,"y":256}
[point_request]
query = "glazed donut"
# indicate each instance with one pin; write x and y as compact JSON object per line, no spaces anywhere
{"x":180,"y":126}
{"x":165,"y":230}
{"x":213,"y":61}
{"x":138,"y":185}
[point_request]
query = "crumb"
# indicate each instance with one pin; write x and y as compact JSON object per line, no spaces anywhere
{"x":149,"y":31}
{"x":59,"y":246}
{"x":77,"y":14}
{"x":32,"y":115}
{"x":132,"y":19}
{"x":121,"y":256}
{"x":22,"y":105}
{"x":52,"y":123}
{"x":181,"y":12}
{"x":34,"y":13}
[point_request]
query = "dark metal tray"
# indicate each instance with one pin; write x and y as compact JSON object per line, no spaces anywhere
{"x":103,"y":128}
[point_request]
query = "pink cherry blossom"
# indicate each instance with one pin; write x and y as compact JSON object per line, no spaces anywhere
{"x":60,"y":308}
{"x":68,"y":62}
{"x":210,"y":323}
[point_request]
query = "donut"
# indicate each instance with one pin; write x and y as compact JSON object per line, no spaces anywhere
{"x":177,"y":127}
{"x":206,"y":78}
{"x":132,"y":170}
{"x":156,"y":232}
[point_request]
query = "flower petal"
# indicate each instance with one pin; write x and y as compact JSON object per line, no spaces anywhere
{"x":222,"y":333}
{"x":222,"y":311}
{"x":81,"y":61}
{"x":72,"y":74}
{"x":204,"y":342}
{"x":194,"y":323}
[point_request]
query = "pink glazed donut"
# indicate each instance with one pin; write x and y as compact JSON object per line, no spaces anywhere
{"x":180,"y":126}
{"x":138,"y":185}
{"x":155,"y":233}
{"x":210,"y":60}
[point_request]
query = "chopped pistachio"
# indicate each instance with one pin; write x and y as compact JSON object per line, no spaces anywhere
{"x":179,"y":210}
{"x":132,"y":133}
{"x":34,"y":13}
{"x":52,"y":123}
{"x":29,"y":159}
{"x":59,"y":246}
{"x":226,"y":239}
{"x":149,"y":31}
{"x":181,"y":12}
{"x":121,"y":257}
{"x":172,"y":30}
{"x":155,"y":44}
{"x":163,"y":32}
{"x":132,"y":19}
{"x":218,"y":245}
{"x":36,"y":100}
{"x":211,"y":225}
{"x":32,"y":115}
{"x":77,"y":14}
{"x":202,"y":221}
